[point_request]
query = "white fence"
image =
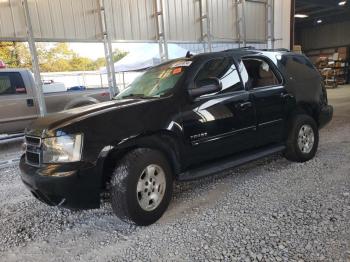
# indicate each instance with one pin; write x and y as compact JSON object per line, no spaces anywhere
{"x":89,"y":79}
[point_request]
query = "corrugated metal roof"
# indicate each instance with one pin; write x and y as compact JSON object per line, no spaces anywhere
{"x":255,"y":20}
{"x":129,"y":20}
{"x":12,"y":21}
{"x":182,"y":20}
{"x":223,"y":20}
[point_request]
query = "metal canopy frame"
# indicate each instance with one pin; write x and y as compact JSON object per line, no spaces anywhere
{"x":205,"y":25}
{"x":35,"y":61}
{"x":161,"y":35}
{"x":106,"y":34}
{"x":270,"y":14}
{"x":113,"y":88}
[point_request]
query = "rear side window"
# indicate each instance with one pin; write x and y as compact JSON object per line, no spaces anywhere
{"x":260,"y":73}
{"x":223,"y":69}
{"x":11,"y":83}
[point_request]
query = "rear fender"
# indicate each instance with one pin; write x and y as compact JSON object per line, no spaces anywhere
{"x":311,"y":109}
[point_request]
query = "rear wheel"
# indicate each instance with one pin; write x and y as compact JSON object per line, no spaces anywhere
{"x":303,"y":139}
{"x":141,"y":187}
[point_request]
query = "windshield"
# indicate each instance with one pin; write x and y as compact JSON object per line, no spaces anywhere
{"x":157,"y":81}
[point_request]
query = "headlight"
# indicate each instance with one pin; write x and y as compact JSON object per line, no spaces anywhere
{"x":62,"y":148}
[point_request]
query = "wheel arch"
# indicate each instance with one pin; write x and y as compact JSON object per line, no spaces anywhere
{"x":164,"y":141}
{"x":309,"y":109}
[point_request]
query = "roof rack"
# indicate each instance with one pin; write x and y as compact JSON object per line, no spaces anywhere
{"x":260,"y":49}
{"x":244,"y":48}
{"x":276,"y":49}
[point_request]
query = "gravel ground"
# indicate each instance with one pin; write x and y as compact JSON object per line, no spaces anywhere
{"x":10,"y":152}
{"x":269,"y":210}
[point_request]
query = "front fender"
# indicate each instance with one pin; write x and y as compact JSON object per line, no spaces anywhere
{"x":81,"y":101}
{"x":165,"y":142}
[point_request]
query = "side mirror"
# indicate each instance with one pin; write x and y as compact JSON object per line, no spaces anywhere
{"x":205,"y":87}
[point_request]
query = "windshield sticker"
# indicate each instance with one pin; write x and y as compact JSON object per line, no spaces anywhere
{"x":182,"y":63}
{"x":177,"y":71}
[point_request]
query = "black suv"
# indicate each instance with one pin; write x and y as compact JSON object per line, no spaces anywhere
{"x":181,"y":120}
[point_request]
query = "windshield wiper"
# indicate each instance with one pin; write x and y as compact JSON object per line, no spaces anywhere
{"x":140,"y":96}
{"x":134,"y":96}
{"x":129,"y":96}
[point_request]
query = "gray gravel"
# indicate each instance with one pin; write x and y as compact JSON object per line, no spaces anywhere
{"x":10,"y":151}
{"x":269,"y":210}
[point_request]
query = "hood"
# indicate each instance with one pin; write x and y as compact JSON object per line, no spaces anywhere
{"x":43,"y":125}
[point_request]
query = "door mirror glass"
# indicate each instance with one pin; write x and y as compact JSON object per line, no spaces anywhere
{"x":206,"y":86}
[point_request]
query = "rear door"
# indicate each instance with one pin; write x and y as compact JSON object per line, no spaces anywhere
{"x":17,"y":104}
{"x":220,"y":124}
{"x":269,"y":96}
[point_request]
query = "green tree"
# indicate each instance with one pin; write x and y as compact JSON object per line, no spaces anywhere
{"x":78,"y":63}
{"x":118,"y":54}
{"x":100,"y":62}
{"x":58,"y":58}
{"x":15,"y":54}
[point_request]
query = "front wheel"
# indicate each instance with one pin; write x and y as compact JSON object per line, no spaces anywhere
{"x":141,"y":187}
{"x":303,"y":139}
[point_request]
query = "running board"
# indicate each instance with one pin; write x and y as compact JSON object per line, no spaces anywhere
{"x":228,"y":163}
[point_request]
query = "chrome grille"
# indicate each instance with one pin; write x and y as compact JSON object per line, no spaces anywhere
{"x":33,"y":141}
{"x":33,"y":150}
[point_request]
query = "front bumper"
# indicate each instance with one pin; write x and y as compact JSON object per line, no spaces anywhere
{"x":325,"y":116}
{"x":78,"y":189}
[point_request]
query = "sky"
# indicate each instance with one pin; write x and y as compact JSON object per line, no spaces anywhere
{"x":96,"y":50}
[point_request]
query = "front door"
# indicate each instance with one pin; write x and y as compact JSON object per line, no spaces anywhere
{"x":220,"y":124}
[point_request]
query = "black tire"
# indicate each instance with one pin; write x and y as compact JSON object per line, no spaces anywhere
{"x":124,"y":181}
{"x":293,"y":151}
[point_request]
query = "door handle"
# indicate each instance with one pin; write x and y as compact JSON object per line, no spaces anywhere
{"x":244,"y":105}
{"x":30,"y":102}
{"x":286,"y":95}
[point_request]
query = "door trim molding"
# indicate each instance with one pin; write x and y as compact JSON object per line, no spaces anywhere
{"x":221,"y":136}
{"x":270,"y":122}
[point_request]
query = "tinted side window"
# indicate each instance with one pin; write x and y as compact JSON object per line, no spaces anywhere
{"x":223,"y":69}
{"x":260,"y":73}
{"x":11,"y":83}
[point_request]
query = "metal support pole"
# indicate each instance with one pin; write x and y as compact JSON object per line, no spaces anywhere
{"x":238,"y":22}
{"x":292,"y":24}
{"x":201,"y":24}
{"x":270,"y":23}
{"x":272,"y":10}
{"x":101,"y":80}
{"x":204,"y":16}
{"x":161,"y":34}
{"x":208,"y":26}
{"x":108,"y":67}
{"x":35,"y":60}
{"x":124,"y":80}
{"x":244,"y":28}
{"x":273,"y":23}
{"x":112,"y":82}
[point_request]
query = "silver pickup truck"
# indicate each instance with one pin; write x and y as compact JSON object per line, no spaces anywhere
{"x":19,"y":105}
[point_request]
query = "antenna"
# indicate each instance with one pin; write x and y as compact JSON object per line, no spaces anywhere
{"x":188,"y":54}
